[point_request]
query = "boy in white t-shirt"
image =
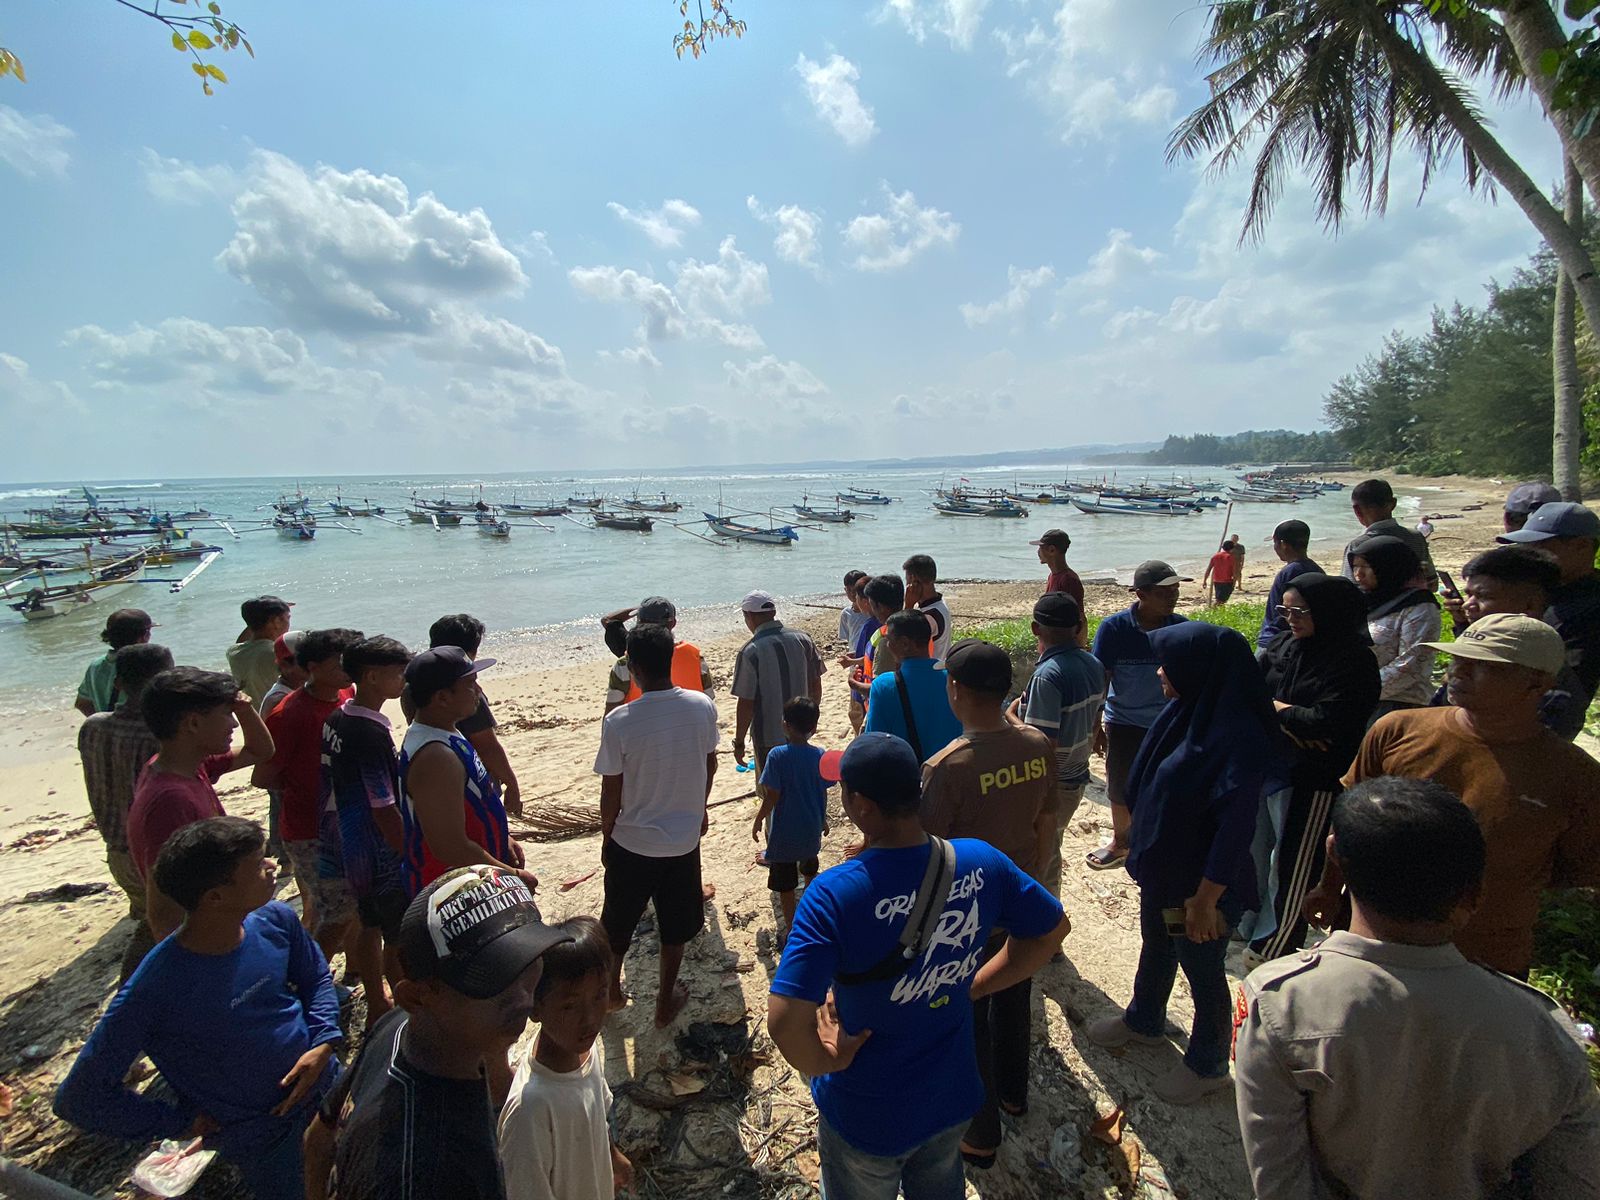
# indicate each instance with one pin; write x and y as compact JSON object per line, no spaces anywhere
{"x":555,"y":1140}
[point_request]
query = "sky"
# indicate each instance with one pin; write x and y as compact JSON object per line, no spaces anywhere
{"x":513,"y":236}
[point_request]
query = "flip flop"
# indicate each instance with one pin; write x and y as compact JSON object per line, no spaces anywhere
{"x":1104,"y":858}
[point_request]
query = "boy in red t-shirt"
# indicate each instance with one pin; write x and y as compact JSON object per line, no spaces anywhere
{"x":1222,"y":572}
{"x":296,"y":770}
{"x":192,"y":714}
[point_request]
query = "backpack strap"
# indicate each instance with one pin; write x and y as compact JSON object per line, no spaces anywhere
{"x":937,"y":880}
{"x":911,"y":717}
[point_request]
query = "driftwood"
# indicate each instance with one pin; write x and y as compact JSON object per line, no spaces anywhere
{"x":561,"y":823}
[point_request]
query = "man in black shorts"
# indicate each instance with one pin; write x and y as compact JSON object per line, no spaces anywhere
{"x":465,"y":632}
{"x":658,"y":755}
{"x":362,"y":833}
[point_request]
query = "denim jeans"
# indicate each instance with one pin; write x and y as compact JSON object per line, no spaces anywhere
{"x":1160,"y":956}
{"x":931,"y":1171}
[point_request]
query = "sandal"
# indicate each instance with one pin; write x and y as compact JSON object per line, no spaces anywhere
{"x":1105,"y":858}
{"x":981,"y":1159}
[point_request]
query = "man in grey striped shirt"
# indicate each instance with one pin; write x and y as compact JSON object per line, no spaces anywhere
{"x":773,"y":667}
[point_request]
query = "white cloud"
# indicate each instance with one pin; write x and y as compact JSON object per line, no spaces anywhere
{"x":354,"y":253}
{"x":1115,"y":263}
{"x":1023,"y":284}
{"x":33,"y":146}
{"x":832,"y":89}
{"x":888,"y":240}
{"x":639,"y":356}
{"x":221,"y":362}
{"x":535,"y":248}
{"x":520,"y":406}
{"x":1097,"y":69}
{"x":692,"y":427}
{"x":704,"y":296}
{"x":958,"y":20}
{"x":464,"y":335}
{"x":768,"y":379}
{"x":176,"y":181}
{"x":798,"y":232}
{"x":665,"y":226}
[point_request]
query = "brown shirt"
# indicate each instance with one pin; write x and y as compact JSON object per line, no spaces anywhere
{"x":992,"y":786}
{"x":1537,"y":801}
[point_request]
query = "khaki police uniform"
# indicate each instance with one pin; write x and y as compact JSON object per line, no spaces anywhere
{"x":1383,"y":1071}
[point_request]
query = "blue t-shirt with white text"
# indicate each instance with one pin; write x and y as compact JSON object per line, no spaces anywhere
{"x":918,"y":1072}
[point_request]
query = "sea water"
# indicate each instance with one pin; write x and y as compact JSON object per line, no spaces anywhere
{"x":540,"y":590}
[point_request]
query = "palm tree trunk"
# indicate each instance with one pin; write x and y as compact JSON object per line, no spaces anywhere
{"x":1564,"y":240}
{"x":1532,"y":28}
{"x":1564,"y":358}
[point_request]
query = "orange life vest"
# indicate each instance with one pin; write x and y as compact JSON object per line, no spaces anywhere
{"x":685,"y":671}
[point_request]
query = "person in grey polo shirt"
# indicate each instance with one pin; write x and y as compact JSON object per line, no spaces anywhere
{"x":773,"y":667}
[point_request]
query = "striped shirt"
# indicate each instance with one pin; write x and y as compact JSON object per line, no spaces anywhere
{"x":483,"y":813}
{"x":1066,"y":693}
{"x":114,"y":747}
{"x":774,"y":667}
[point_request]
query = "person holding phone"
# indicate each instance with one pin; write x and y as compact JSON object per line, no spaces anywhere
{"x":1194,"y":792}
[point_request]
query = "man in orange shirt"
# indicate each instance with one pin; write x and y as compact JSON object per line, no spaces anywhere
{"x":1222,"y":572}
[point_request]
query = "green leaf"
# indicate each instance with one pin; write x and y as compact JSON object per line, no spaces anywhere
{"x":1550,"y":61}
{"x":178,"y":43}
{"x":216,"y":73}
{"x":198,"y":69}
{"x":16,"y":67}
{"x":216,"y":9}
{"x":199,"y":40}
{"x":248,"y":50}
{"x":1577,"y":10}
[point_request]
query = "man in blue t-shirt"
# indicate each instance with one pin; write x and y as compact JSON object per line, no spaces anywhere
{"x":1063,"y":699}
{"x":1289,"y":542}
{"x":1134,"y":697}
{"x":893,"y":1063}
{"x":236,"y":1009}
{"x":932,"y":725}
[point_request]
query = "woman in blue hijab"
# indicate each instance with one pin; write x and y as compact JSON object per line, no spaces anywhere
{"x":1194,"y":792}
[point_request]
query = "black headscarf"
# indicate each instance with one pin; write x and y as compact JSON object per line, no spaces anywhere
{"x":1395,"y":564}
{"x":1329,"y":680}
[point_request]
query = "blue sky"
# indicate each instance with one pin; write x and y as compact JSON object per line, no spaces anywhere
{"x":516,"y":236}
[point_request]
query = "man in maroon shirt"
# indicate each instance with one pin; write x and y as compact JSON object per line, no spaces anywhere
{"x":296,"y":770}
{"x":1053,"y":546}
{"x":192,"y":714}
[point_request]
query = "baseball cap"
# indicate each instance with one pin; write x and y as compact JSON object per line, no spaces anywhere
{"x":1511,"y":638}
{"x":434,"y":670}
{"x":758,"y":602}
{"x":475,"y":929}
{"x":1293,"y":532}
{"x":287,"y":645}
{"x":262,"y":609}
{"x":880,"y":766}
{"x":979,"y":665}
{"x":1526,"y":497}
{"x":656,"y":610}
{"x":1057,"y":610}
{"x":1053,"y":537}
{"x":1553,"y":521}
{"x":1153,"y":573}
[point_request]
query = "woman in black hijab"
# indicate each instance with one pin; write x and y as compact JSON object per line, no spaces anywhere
{"x":1324,"y":683}
{"x":1400,"y":617}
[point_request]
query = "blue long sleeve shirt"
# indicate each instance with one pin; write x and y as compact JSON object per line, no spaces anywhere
{"x":223,"y":1030}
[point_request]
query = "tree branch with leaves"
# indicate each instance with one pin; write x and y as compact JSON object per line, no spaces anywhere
{"x":698,"y":32}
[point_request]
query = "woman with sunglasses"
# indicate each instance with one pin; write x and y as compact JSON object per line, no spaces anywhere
{"x":1324,"y":682}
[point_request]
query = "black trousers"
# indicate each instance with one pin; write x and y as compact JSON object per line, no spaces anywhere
{"x":1302,"y":849}
{"x":1002,"y":1024}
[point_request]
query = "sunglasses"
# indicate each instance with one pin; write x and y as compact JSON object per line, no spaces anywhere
{"x":1286,"y":610}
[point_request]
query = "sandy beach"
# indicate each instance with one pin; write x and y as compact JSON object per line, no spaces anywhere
{"x":695,"y":1121}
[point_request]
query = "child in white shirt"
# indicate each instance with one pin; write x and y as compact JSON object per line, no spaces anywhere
{"x":555,"y":1139}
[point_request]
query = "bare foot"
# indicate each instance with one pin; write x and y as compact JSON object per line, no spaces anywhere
{"x":668,"y":1008}
{"x":708,"y":891}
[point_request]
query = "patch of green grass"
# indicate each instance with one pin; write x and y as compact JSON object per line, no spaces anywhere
{"x":1016,"y":637}
{"x":1244,"y":617}
{"x":1566,"y":949}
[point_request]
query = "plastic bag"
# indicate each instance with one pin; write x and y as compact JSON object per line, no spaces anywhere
{"x":172,"y":1168}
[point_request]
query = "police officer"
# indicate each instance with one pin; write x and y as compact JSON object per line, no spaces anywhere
{"x":1382,"y":1063}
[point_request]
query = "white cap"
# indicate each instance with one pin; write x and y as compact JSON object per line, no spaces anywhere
{"x":1509,"y":638}
{"x":758,"y":602}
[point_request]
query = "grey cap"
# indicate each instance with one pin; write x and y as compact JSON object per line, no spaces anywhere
{"x":1556,"y":521}
{"x":656,"y":610}
{"x":1526,"y":497}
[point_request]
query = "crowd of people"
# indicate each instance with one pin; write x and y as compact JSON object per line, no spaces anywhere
{"x":1319,"y":779}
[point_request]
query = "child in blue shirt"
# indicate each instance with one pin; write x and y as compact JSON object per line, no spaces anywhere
{"x":795,"y":796}
{"x":236,"y":1010}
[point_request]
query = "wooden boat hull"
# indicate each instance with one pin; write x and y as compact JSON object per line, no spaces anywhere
{"x":781,"y":535}
{"x":1127,"y":510}
{"x":839,"y":516}
{"x":849,"y":499}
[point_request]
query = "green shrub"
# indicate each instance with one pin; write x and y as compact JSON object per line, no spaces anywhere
{"x":1566,"y":950}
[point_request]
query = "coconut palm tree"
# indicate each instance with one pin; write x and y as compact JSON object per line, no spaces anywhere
{"x":1330,"y":85}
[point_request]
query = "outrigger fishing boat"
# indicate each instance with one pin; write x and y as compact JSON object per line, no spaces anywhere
{"x":771,"y":535}
{"x":830,"y":516}
{"x":1131,"y":510}
{"x":490,"y":526}
{"x":861,"y":495}
{"x":45,"y":600}
{"x":660,"y":505}
{"x":985,"y":508}
{"x":1250,"y":496}
{"x":432,"y":516}
{"x":295,"y":529}
{"x":592,"y":501}
{"x":631,"y":523}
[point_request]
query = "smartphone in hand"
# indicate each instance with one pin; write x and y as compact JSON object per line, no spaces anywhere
{"x":1449,"y":585}
{"x":1177,"y":925}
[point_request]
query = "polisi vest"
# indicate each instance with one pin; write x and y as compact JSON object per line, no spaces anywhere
{"x":685,"y":671}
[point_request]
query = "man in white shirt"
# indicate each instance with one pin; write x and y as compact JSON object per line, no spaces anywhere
{"x":922,"y":594}
{"x":658,"y":756}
